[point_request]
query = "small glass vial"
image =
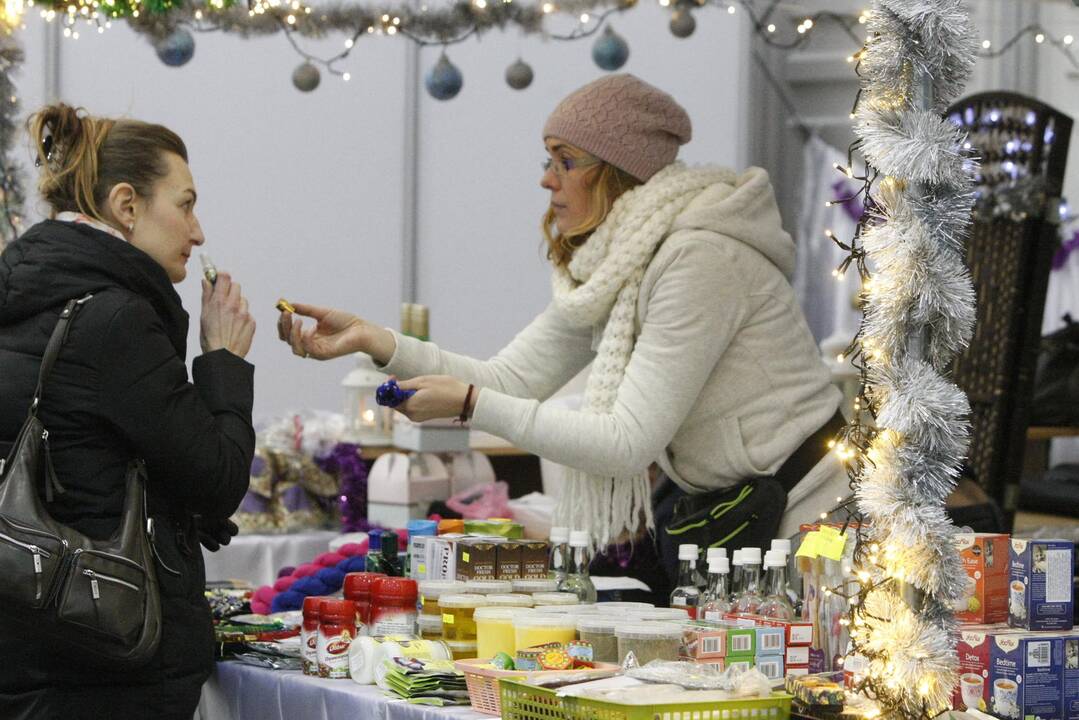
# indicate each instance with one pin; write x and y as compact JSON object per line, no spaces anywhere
{"x":577,"y":580}
{"x":686,"y":595}
{"x":718,"y":602}
{"x":751,"y":597}
{"x":775,"y":603}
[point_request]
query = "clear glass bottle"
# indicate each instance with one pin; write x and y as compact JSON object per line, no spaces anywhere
{"x":784,"y":545}
{"x":737,"y":584}
{"x":750,"y":598}
{"x":373,"y":562}
{"x":577,"y":580}
{"x":714,"y":554}
{"x":559,"y":553}
{"x":775,"y":603}
{"x":718,"y":601}
{"x":686,"y":594}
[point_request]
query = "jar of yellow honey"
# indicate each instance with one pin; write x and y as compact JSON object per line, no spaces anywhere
{"x":458,"y":623}
{"x":532,"y":629}
{"x":432,"y":590}
{"x":494,"y":630}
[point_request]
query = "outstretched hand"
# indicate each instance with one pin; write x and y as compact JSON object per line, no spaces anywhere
{"x":334,"y":334}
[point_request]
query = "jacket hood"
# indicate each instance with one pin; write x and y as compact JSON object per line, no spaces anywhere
{"x":54,"y":262}
{"x":745,"y":211}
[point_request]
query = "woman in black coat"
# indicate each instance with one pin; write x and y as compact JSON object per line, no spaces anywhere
{"x":123,"y":231}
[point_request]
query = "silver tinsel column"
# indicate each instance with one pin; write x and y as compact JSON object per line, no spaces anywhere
{"x":919,"y":312}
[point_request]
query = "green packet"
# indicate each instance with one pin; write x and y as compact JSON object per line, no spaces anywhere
{"x":495,"y":528}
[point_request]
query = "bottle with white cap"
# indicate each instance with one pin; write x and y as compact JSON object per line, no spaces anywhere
{"x":576,"y":580}
{"x":717,"y":600}
{"x":713,"y":555}
{"x":687,"y":595}
{"x":737,"y":584}
{"x":559,"y":552}
{"x":775,"y":604}
{"x":784,"y":545}
{"x":751,"y":596}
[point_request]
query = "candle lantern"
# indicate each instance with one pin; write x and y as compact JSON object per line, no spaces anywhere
{"x":368,"y":422}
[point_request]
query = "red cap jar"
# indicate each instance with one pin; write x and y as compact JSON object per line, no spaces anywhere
{"x":393,"y":607}
{"x":336,"y":630}
{"x":358,"y":586}
{"x":309,"y":634}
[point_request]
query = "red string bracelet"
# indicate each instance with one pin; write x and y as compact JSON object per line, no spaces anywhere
{"x":464,"y":408}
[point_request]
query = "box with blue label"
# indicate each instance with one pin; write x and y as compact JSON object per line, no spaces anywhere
{"x":1026,"y":676}
{"x":1040,"y":584}
{"x":1070,"y":675}
{"x":771,"y":666}
{"x":770,"y":640}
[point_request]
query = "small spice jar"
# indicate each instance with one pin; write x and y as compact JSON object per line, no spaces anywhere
{"x":510,"y":600}
{"x":357,"y":588}
{"x":458,"y":624}
{"x":488,"y":587}
{"x":555,"y":598}
{"x":599,"y":631}
{"x":432,"y":590}
{"x":532,"y":629}
{"x":336,"y":630}
{"x":309,"y":634}
{"x":649,"y":641}
{"x":494,"y":630}
{"x":529,"y":586}
{"x":393,"y":607}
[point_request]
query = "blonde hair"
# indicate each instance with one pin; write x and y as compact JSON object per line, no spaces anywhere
{"x":607,"y":185}
{"x":83,"y":157}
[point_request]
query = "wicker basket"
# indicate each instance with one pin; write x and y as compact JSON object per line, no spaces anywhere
{"x":483,"y":689}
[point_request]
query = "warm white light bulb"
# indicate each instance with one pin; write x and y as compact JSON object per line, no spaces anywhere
{"x":346,"y":77}
{"x":986,"y":44}
{"x":1039,"y":38}
{"x":771,"y":28}
{"x":349,"y":43}
{"x":584,"y":17}
{"x":730,"y":9}
{"x":1068,"y":39}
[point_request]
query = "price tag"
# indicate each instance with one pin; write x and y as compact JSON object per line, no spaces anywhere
{"x":447,"y":618}
{"x":465,"y":557}
{"x":808,"y":548}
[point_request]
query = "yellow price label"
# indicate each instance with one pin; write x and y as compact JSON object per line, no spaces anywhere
{"x":809,"y":546}
{"x":832,"y":546}
{"x":421,"y":568}
{"x":447,"y":618}
{"x":465,"y":557}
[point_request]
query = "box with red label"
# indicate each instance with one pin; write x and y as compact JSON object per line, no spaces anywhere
{"x":704,"y":643}
{"x":854,"y":667}
{"x":985,"y":595}
{"x":972,"y":692}
{"x":798,"y":632}
{"x":798,"y":670}
{"x":797,"y":655}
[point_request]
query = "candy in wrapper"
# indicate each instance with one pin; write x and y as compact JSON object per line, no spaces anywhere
{"x":528,"y":659}
{"x":502,"y":661}
{"x":285,"y":306}
{"x":580,"y":650}
{"x":390,"y":395}
{"x":209,"y":270}
{"x":555,"y":660}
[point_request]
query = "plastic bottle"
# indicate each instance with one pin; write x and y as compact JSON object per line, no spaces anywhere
{"x":751,"y":596}
{"x":336,"y":631}
{"x":686,"y":594}
{"x":718,"y":601}
{"x":577,"y":580}
{"x":393,"y":607}
{"x":559,"y":552}
{"x":391,"y":556}
{"x":373,"y":563}
{"x":358,"y":588}
{"x":309,"y":634}
{"x":775,"y":604}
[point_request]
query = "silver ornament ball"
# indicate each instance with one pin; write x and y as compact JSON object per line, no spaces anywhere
{"x":306,"y":77}
{"x":519,"y":75}
{"x":682,"y":23}
{"x":610,"y":51}
{"x":444,"y":80}
{"x":176,"y":48}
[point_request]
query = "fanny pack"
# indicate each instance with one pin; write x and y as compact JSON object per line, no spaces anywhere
{"x":749,"y":513}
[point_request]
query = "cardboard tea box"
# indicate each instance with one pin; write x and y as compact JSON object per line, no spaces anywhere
{"x":1040,"y":584}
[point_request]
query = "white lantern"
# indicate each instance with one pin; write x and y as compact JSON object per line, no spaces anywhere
{"x":368,"y":422}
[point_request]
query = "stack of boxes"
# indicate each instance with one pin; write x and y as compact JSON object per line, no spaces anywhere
{"x":775,"y":647}
{"x":463,"y":557}
{"x":1018,"y":651}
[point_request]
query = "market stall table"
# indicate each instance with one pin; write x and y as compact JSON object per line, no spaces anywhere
{"x":258,"y":558}
{"x":237,"y":691}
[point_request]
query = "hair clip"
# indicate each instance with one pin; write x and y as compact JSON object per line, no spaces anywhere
{"x":46,"y":147}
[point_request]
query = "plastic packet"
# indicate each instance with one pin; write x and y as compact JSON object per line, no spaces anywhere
{"x":689,"y":675}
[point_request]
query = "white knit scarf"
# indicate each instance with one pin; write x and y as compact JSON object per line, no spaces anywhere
{"x":601,"y":282}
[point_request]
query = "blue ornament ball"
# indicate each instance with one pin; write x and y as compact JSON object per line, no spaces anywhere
{"x":611,"y":51}
{"x":444,"y":80}
{"x":176,"y":49}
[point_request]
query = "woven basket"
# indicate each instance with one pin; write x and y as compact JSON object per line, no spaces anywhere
{"x":483,"y":689}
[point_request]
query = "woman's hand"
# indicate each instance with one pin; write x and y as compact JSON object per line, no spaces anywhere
{"x":226,"y":323}
{"x":437,"y":396}
{"x":334,"y":334}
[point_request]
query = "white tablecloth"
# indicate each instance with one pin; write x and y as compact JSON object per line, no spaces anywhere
{"x":257,"y":558}
{"x":244,"y":692}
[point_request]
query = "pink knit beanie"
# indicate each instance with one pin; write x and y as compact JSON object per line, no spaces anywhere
{"x":624,"y":121}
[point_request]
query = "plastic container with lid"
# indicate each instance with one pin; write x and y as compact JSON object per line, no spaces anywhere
{"x":393,"y":607}
{"x":462,"y":650}
{"x":618,"y":606}
{"x":336,"y":631}
{"x":309,"y":634}
{"x":599,"y":631}
{"x":432,"y":590}
{"x":489,"y":587}
{"x":451,"y":525}
{"x":535,"y":586}
{"x":657,"y":614}
{"x":430,"y":626}
{"x":458,"y":625}
{"x":494,"y":630}
{"x":357,"y":588}
{"x":555,"y":598}
{"x":649,"y":641}
{"x":510,"y":600}
{"x":531,"y":629}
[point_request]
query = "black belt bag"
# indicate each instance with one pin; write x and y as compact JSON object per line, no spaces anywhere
{"x":98,"y":597}
{"x":749,"y":513}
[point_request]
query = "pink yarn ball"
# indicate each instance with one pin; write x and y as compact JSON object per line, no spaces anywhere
{"x":307,"y":569}
{"x":264,"y":594}
{"x":260,"y":608}
{"x":329,"y":559}
{"x":284,"y":583}
{"x":350,"y":549}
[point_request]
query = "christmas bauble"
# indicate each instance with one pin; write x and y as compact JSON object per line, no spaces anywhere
{"x":682,"y":23}
{"x":176,"y":49}
{"x":306,"y":77}
{"x":519,"y":75}
{"x":444,"y":80}
{"x":610,"y":52}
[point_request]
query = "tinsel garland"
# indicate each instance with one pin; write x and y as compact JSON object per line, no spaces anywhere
{"x":345,"y":462}
{"x":11,"y":197}
{"x":911,"y":428}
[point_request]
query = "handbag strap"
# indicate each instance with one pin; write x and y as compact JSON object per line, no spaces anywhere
{"x":52,"y":350}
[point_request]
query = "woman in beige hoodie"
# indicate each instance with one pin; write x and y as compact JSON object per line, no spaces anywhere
{"x":674,"y":282}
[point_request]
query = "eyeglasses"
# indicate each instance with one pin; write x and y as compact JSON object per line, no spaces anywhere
{"x":564,"y":164}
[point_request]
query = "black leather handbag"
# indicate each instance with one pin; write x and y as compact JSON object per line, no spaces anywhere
{"x":99,"y":597}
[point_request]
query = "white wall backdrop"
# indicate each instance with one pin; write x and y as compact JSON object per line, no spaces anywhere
{"x":300,"y":195}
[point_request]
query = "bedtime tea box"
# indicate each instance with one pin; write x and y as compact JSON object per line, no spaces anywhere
{"x":1026,"y":676}
{"x":1040,"y":584}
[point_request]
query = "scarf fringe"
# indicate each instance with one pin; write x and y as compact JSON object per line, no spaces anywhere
{"x":603,"y":505}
